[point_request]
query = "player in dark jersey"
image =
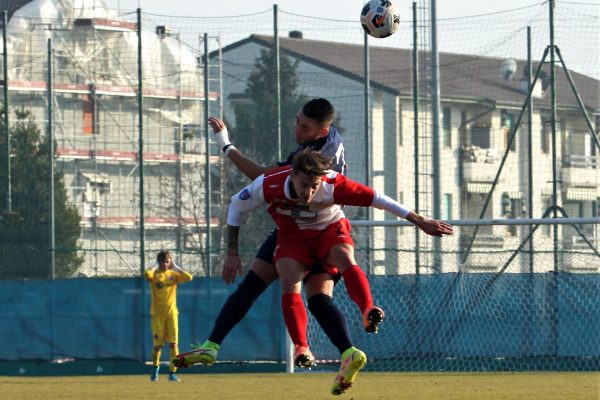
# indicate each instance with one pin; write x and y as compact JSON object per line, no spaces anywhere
{"x":313,"y":130}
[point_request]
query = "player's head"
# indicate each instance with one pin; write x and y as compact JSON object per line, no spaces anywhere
{"x":308,"y":168}
{"x":313,"y":120}
{"x":163,"y":259}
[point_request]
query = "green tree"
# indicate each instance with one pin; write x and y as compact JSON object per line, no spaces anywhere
{"x":24,"y":232}
{"x":256,"y":121}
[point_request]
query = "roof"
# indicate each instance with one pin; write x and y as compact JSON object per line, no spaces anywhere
{"x":12,"y":5}
{"x":390,"y":70}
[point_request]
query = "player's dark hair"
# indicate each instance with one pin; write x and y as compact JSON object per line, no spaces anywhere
{"x":321,"y":110}
{"x":163,"y":255}
{"x":311,"y":163}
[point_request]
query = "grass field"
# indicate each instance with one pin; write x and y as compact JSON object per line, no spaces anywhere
{"x":308,"y":386}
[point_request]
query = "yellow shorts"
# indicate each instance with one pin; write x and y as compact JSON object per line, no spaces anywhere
{"x":165,"y":328}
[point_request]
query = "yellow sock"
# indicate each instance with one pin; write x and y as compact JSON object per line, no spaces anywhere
{"x":156,"y":357}
{"x":174,"y":353}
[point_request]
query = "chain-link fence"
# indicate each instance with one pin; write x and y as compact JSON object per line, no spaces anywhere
{"x":121,"y":100}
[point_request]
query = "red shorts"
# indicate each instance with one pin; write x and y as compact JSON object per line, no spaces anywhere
{"x":309,"y":245}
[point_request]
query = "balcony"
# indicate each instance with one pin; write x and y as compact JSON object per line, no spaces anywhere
{"x":480,"y":165}
{"x":580,"y":170}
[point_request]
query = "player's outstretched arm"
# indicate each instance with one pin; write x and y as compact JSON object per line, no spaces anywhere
{"x":246,"y":165}
{"x":431,"y":227}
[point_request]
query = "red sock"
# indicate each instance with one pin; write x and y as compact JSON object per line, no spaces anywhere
{"x":295,"y":317}
{"x":357,"y":286}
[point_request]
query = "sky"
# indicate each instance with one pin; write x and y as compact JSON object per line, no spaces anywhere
{"x":340,"y":9}
{"x":577,"y":45}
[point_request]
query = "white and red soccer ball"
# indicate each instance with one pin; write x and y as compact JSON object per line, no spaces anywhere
{"x":380,"y":18}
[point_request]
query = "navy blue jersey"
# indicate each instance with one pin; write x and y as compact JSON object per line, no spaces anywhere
{"x":330,"y":146}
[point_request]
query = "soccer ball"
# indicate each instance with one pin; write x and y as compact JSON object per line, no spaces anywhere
{"x":380,"y":18}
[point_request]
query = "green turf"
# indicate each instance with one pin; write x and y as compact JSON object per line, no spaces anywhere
{"x":307,"y":386}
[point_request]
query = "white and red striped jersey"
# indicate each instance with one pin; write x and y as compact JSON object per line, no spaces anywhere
{"x":273,"y":188}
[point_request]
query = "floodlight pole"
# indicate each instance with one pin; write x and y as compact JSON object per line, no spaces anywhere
{"x":207,"y":184}
{"x":553,"y":127}
{"x":179,"y":187}
{"x":50,"y":89}
{"x":140,"y":100}
{"x":415,"y":84}
{"x":435,"y":137}
{"x":277,"y":79}
{"x":530,"y":147}
{"x":6,"y":112}
{"x":368,"y":133}
{"x":51,"y":220}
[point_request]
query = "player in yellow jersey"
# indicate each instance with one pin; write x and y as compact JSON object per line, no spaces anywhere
{"x":164,"y":277}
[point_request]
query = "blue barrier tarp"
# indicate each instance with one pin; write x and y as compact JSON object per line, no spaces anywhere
{"x":430,"y":316}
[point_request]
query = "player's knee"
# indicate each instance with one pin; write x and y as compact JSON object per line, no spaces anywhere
{"x":319,"y":284}
{"x":341,"y":256}
{"x":264,"y":270}
{"x":291,"y":286}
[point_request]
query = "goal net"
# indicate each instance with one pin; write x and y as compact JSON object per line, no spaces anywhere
{"x":497,"y":295}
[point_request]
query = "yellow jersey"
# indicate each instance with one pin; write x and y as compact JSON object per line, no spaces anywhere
{"x":163,"y":290}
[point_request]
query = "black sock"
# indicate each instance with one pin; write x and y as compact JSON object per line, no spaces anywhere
{"x":331,"y":319}
{"x":236,"y":306}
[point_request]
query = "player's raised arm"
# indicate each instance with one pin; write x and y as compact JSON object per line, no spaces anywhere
{"x":149,"y":272}
{"x":246,"y":165}
{"x":184,"y":276}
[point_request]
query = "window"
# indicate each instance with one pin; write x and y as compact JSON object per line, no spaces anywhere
{"x":480,"y":136}
{"x":447,"y":126}
{"x":97,"y":186}
{"x":575,"y":209}
{"x":192,"y":140}
{"x":507,"y":121}
{"x":89,"y":118}
{"x":462,"y":130}
{"x":447,"y":210}
{"x":193,"y":241}
{"x":594,"y":150}
{"x":546,"y":131}
{"x":400,"y":125}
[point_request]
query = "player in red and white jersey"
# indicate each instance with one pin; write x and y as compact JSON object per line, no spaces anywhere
{"x":304,"y":201}
{"x":290,"y":212}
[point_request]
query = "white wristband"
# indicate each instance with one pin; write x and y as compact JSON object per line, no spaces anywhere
{"x":222,"y":138}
